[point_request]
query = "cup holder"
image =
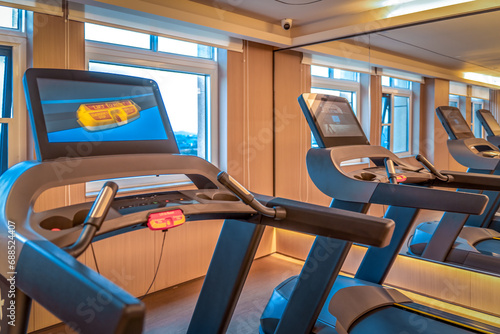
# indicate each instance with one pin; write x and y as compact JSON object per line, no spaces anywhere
{"x":218,"y":197}
{"x":57,"y":223}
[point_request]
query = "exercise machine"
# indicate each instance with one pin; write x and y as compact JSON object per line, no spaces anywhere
{"x":490,"y":125}
{"x":316,"y":302}
{"x":468,"y":240}
{"x":42,"y":246}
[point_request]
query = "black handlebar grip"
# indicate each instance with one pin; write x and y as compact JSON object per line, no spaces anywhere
{"x":248,"y":198}
{"x":101,"y":205}
{"x":94,"y":219}
{"x":391,"y":170}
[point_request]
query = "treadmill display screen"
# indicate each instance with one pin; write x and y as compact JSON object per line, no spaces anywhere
{"x":454,"y":123}
{"x":99,"y":112}
{"x":489,"y":122}
{"x":335,"y":118}
{"x":81,"y":113}
{"x":332,"y":119}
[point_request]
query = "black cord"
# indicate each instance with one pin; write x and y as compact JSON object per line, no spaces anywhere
{"x":157,"y":266}
{"x":95,"y":260}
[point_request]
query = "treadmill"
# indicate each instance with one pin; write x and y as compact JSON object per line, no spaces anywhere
{"x":469,"y":240}
{"x":42,"y":246}
{"x":490,"y":125}
{"x":314,"y":302}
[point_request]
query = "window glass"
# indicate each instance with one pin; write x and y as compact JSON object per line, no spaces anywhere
{"x":396,"y":115}
{"x":117,"y":36}
{"x":184,"y":48}
{"x":3,"y":68}
{"x":345,"y":75}
{"x":185,"y":98}
{"x":385,"y":138}
{"x":395,"y":83}
{"x":476,"y":126}
{"x":9,"y":18}
{"x":5,"y":103}
{"x":401,"y":123}
{"x":320,"y":71}
{"x":453,"y":101}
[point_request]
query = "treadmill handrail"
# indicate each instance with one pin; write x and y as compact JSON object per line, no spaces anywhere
{"x":326,"y":173}
{"x":330,"y":222}
{"x":460,"y":151}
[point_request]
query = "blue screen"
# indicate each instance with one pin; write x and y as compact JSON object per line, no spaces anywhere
{"x":79,"y":111}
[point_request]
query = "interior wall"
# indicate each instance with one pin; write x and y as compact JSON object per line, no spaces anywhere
{"x":249,"y":115}
{"x":130,"y":259}
{"x":266,"y":148}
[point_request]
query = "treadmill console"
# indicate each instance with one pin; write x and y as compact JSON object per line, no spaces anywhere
{"x":489,"y":122}
{"x":332,"y":120}
{"x":454,"y":123}
{"x":82,"y":113}
{"x":136,"y":203}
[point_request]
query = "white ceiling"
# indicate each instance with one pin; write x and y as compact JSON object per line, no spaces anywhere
{"x":468,"y":43}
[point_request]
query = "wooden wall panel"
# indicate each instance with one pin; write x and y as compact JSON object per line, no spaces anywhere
{"x":433,"y":137}
{"x":495,"y":103}
{"x":292,"y":134}
{"x":250,"y":132}
{"x":130,"y":259}
{"x":375,"y":109}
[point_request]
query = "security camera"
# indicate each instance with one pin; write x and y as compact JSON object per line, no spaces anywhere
{"x":286,"y":24}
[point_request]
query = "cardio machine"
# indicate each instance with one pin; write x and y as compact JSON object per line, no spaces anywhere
{"x":124,"y":131}
{"x":314,"y":302}
{"x":490,"y":125}
{"x":469,"y":240}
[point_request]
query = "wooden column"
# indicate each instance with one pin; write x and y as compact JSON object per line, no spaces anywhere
{"x":249,"y":112}
{"x":293,"y":136}
{"x":495,"y":103}
{"x":433,"y":137}
{"x":375,"y":109}
{"x":57,"y":43}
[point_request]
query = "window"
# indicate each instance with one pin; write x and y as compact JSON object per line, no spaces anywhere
{"x":184,"y":96}
{"x":98,"y":33}
{"x":13,"y":117}
{"x":110,"y":35}
{"x":396,"y":115}
{"x":453,"y":101}
{"x":476,"y":126}
{"x":185,"y":88}
{"x":395,"y":83}
{"x":10,"y":18}
{"x":334,"y":73}
{"x":5,"y":103}
{"x":186,"y":74}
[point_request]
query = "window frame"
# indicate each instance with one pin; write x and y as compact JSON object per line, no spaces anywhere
{"x":18,"y":123}
{"x":21,"y":19}
{"x":474,"y":121}
{"x":404,"y":93}
{"x":124,"y":55}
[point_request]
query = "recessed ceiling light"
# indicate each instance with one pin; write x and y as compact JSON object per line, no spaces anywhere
{"x":488,"y":79}
{"x":420,"y":6}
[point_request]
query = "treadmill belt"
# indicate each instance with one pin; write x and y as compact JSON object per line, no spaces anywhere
{"x":395,"y":320}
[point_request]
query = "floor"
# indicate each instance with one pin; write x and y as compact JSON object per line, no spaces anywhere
{"x":169,"y":311}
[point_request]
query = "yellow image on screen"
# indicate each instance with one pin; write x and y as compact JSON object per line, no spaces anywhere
{"x":107,"y":115}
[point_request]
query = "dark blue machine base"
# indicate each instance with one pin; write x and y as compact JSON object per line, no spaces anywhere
{"x":391,"y":319}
